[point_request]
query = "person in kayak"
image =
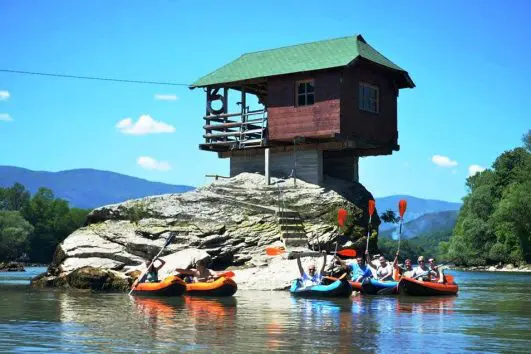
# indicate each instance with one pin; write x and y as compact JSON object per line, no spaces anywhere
{"x":421,"y":272}
{"x":312,"y":278}
{"x":357,"y":270}
{"x":384,"y":270}
{"x":405,"y":270}
{"x":435,"y":272}
{"x":152,"y":275}
{"x":199,"y":274}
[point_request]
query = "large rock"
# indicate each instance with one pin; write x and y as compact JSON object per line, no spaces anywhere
{"x":230,"y":221}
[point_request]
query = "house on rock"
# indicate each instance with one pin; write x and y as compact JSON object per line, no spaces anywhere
{"x":323,"y":105}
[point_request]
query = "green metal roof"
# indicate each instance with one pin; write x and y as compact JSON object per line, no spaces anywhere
{"x":319,"y":55}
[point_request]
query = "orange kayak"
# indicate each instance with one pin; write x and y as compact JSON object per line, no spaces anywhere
{"x":219,"y":287}
{"x":356,"y":285}
{"x":412,"y":286}
{"x":170,"y":286}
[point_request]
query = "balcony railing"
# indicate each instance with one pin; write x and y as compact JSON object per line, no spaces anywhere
{"x":223,"y":132}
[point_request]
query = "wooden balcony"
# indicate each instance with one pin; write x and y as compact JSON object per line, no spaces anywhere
{"x":230,"y":131}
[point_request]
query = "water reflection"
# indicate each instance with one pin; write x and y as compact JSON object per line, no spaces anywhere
{"x":491,"y":313}
{"x":419,"y":304}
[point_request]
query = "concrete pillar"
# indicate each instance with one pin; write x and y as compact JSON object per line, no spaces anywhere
{"x":266,"y":167}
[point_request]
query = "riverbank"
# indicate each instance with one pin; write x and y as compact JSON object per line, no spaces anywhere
{"x":11,"y":267}
{"x":505,"y":268}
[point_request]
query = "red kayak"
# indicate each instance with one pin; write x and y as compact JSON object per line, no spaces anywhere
{"x":415,"y":287}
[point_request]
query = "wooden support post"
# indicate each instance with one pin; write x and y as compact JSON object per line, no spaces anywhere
{"x":266,"y":167}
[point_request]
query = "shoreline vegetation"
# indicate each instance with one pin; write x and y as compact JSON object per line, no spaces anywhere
{"x":31,"y":226}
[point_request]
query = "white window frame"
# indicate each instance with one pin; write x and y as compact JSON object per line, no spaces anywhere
{"x":366,"y":103}
{"x":305,"y":94}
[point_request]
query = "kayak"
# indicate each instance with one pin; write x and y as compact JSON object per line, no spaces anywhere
{"x":170,"y":286}
{"x":376,"y":287}
{"x":356,"y":285}
{"x":219,"y":287}
{"x":339,"y":288}
{"x":415,"y":287}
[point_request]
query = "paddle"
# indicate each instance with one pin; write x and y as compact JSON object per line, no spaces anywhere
{"x":228,"y":274}
{"x":275,"y":250}
{"x":341,"y":217}
{"x":348,"y":252}
{"x":152,"y":261}
{"x":371,"y":211}
{"x":402,"y":205}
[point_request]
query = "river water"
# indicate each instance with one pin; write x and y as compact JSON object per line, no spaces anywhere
{"x":492,"y":313}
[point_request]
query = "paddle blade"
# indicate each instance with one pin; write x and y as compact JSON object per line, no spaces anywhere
{"x":371,"y":207}
{"x":347,"y":253}
{"x":228,"y":274}
{"x":449,"y":279}
{"x":402,"y":205}
{"x":274,"y":250}
{"x":341,"y":217}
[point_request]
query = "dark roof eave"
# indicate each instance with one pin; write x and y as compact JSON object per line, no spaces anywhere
{"x":238,"y":82}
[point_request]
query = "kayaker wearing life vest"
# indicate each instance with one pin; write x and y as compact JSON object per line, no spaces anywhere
{"x":435,"y":271}
{"x":152,"y":275}
{"x":312,"y":278}
{"x":384,"y":270}
{"x":421,"y":272}
{"x":405,"y":270}
{"x":200,"y":274}
{"x":358,"y":270}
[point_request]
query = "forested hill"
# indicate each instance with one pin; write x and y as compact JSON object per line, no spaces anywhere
{"x":416,"y":207}
{"x":426,"y":224}
{"x":87,"y":188}
{"x":494,"y":224}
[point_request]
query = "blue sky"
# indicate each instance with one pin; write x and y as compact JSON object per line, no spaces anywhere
{"x":469,"y":60}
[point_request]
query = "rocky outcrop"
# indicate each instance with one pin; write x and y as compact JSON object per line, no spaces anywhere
{"x":229,"y":221}
{"x":11,"y":267}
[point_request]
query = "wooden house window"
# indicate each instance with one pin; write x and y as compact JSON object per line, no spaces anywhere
{"x":305,"y":93}
{"x":369,"y":98}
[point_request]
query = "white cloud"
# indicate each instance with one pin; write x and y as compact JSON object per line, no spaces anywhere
{"x":5,"y":117}
{"x":144,"y":125}
{"x":4,"y":95}
{"x":166,"y":97}
{"x":150,"y":163}
{"x":443,"y":161}
{"x":473,"y":169}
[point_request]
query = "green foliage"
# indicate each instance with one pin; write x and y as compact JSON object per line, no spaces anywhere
{"x":137,"y":212}
{"x":494,"y":224}
{"x":14,"y":231}
{"x":38,"y":224}
{"x":14,"y":198}
{"x":526,"y":139}
{"x":389,"y":216}
{"x":431,"y":244}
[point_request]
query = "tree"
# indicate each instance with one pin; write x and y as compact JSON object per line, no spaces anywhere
{"x":526,"y":139}
{"x":14,"y":198}
{"x":53,"y":221}
{"x":494,"y":223}
{"x":389,"y":216}
{"x":14,"y":231}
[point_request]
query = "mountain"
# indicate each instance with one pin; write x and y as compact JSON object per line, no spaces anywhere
{"x":87,"y":188}
{"x":416,"y":207}
{"x":426,"y":224}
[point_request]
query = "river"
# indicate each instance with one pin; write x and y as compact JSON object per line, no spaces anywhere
{"x":492,"y":313}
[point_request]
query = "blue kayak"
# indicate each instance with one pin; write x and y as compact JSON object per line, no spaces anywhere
{"x":377,"y":287}
{"x":339,"y":288}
